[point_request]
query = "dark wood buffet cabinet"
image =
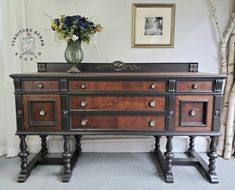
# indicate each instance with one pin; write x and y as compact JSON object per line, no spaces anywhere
{"x":157,"y":99}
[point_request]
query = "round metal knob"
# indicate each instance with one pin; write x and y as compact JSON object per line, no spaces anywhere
{"x":194,"y":86}
{"x":83,"y":103}
{"x":217,"y":112}
{"x":65,"y":112}
{"x":42,"y":112}
{"x":153,"y":86}
{"x":152,"y":103}
{"x":83,"y":86}
{"x":192,"y":112}
{"x":152,"y":123}
{"x":41,"y":85}
{"x":84,"y":122}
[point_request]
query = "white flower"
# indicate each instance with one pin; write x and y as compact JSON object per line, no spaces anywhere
{"x":68,"y":38}
{"x":74,"y":38}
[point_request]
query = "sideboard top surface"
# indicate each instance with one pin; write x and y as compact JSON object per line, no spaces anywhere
{"x":117,"y":75}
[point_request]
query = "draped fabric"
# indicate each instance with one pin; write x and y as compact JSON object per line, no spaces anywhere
{"x":11,"y":20}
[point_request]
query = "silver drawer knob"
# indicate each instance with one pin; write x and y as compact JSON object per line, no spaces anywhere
{"x":152,"y":123}
{"x":153,"y":86}
{"x":40,"y":85}
{"x":192,"y":112}
{"x":83,"y":86}
{"x":42,"y":112}
{"x":152,"y":103}
{"x":194,"y":86}
{"x":83,"y":103}
{"x":84,"y":122}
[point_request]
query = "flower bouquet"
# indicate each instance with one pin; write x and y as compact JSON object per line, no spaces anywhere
{"x":74,"y":30}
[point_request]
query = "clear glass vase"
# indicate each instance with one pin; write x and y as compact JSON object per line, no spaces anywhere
{"x":74,"y":55}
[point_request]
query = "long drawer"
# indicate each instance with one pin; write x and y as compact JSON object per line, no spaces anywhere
{"x":150,"y":86}
{"x":152,"y":103}
{"x":118,"y":122}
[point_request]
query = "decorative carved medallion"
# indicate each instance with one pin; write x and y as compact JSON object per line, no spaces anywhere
{"x":193,"y":67}
{"x":42,"y":67}
{"x":118,"y":66}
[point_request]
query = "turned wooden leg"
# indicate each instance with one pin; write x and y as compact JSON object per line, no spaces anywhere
{"x":44,"y":143}
{"x":23,"y":158}
{"x":168,"y":157}
{"x":191,"y":148}
{"x":78,"y":142}
{"x":212,"y":159}
{"x":157,"y":143}
{"x":67,"y":159}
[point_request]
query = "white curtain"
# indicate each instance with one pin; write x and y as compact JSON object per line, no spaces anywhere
{"x":12,"y":19}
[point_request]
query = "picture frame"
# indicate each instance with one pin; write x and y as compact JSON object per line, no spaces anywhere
{"x":153,"y":25}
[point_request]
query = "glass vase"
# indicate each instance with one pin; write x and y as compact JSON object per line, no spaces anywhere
{"x":74,"y":55}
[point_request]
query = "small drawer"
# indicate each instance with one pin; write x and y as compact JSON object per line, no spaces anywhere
{"x":118,"y":122}
{"x":193,"y":113}
{"x":194,"y":86}
{"x":155,"y":86}
{"x":42,"y":112}
{"x":117,"y":103}
{"x":41,"y":85}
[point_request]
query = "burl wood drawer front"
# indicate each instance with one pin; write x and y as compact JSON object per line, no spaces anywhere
{"x":159,"y":86}
{"x":42,"y":112}
{"x":193,"y":113}
{"x":117,"y":103}
{"x":41,"y":85}
{"x":194,"y":86}
{"x":118,"y":122}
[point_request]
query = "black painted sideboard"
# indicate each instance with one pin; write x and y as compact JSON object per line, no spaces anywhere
{"x":105,"y":100}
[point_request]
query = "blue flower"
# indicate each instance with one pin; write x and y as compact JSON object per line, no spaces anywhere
{"x":83,"y":24}
{"x":67,"y":21}
{"x":57,"y":21}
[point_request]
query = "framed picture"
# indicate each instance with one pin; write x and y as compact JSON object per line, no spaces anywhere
{"x":153,"y":25}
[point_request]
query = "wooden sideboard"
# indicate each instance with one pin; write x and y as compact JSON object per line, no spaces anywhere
{"x":113,"y":102}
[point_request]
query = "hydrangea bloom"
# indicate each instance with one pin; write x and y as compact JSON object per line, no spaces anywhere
{"x":75,"y":28}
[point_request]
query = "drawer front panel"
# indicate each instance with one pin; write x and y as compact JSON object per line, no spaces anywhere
{"x":194,"y":86}
{"x":154,"y":86}
{"x":42,"y":112}
{"x":117,"y":103}
{"x":41,"y":85}
{"x":118,"y":122}
{"x":193,"y":113}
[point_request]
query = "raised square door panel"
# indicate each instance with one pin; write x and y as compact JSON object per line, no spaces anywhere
{"x":194,"y":86}
{"x":193,"y":113}
{"x":151,"y":86}
{"x":118,"y":122}
{"x":136,"y":103}
{"x":42,"y":112}
{"x":41,"y":85}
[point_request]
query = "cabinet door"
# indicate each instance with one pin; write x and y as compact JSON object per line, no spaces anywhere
{"x":193,"y":113}
{"x":42,"y":112}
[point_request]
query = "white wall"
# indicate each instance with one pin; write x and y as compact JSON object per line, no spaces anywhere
{"x":195,"y":38}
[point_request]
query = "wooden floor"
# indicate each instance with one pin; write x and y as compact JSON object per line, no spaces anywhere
{"x":116,"y":171}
